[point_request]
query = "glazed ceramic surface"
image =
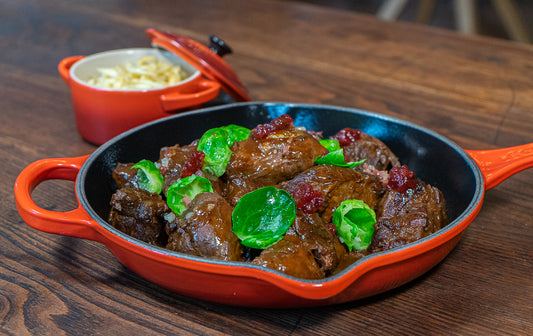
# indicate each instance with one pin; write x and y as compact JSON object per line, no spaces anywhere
{"x":104,"y":113}
{"x":462,"y":176}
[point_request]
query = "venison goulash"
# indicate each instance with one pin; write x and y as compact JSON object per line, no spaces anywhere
{"x":277,"y":196}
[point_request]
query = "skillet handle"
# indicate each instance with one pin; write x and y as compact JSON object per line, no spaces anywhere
{"x":498,"y":164}
{"x":76,"y":223}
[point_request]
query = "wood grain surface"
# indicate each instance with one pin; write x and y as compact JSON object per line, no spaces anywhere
{"x":476,"y":91}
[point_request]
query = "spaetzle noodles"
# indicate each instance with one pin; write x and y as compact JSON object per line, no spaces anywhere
{"x":148,"y":73}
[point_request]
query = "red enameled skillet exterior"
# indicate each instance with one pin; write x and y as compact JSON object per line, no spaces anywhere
{"x":462,"y":175}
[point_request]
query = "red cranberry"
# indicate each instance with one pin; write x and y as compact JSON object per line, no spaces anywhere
{"x":282,"y":122}
{"x":346,"y":136}
{"x":401,"y":179}
{"x":194,"y":163}
{"x":307,"y":199}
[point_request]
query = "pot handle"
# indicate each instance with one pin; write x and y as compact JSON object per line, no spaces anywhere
{"x":498,"y":164}
{"x":206,"y":90}
{"x":76,"y":223}
{"x":65,"y":65}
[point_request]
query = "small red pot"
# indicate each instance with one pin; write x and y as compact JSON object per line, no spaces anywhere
{"x":102,"y":114}
{"x":463,"y":177}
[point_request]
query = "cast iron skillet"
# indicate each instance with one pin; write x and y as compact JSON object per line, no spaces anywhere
{"x":462,"y":176}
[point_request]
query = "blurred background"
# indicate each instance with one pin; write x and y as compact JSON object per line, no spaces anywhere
{"x":507,"y":19}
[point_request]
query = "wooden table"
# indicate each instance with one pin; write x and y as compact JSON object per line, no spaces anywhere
{"x":476,"y":91}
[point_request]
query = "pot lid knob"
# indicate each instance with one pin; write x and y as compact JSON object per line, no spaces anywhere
{"x":218,"y":46}
{"x":207,"y":60}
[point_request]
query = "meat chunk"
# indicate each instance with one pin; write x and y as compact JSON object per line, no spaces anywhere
{"x":280,"y":156}
{"x":140,"y":214}
{"x":205,"y":229}
{"x":308,"y":250}
{"x":337,"y":184}
{"x":171,"y":163}
{"x":237,"y":187}
{"x":176,"y":160}
{"x":326,"y":247}
{"x":291,"y":256}
{"x":403,"y":218}
{"x":376,"y":153}
{"x":349,"y":259}
{"x":125,"y":176}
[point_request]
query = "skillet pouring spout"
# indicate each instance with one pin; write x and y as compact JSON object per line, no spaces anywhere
{"x":462,"y":180}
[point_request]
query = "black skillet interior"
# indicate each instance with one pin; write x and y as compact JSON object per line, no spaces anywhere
{"x":432,"y":157}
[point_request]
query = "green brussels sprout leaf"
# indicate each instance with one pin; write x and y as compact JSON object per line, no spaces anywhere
{"x":355,"y":224}
{"x":336,"y":158}
{"x":236,"y":133}
{"x":182,"y":192}
{"x":148,"y":176}
{"x":330,"y":144}
{"x":263,"y":216}
{"x":215,"y":144}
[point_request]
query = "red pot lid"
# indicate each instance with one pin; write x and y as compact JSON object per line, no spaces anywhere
{"x":208,"y":61}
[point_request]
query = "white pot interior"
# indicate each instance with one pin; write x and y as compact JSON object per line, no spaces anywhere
{"x":88,"y":67}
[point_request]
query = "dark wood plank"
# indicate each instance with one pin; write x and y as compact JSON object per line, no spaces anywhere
{"x":476,"y":91}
